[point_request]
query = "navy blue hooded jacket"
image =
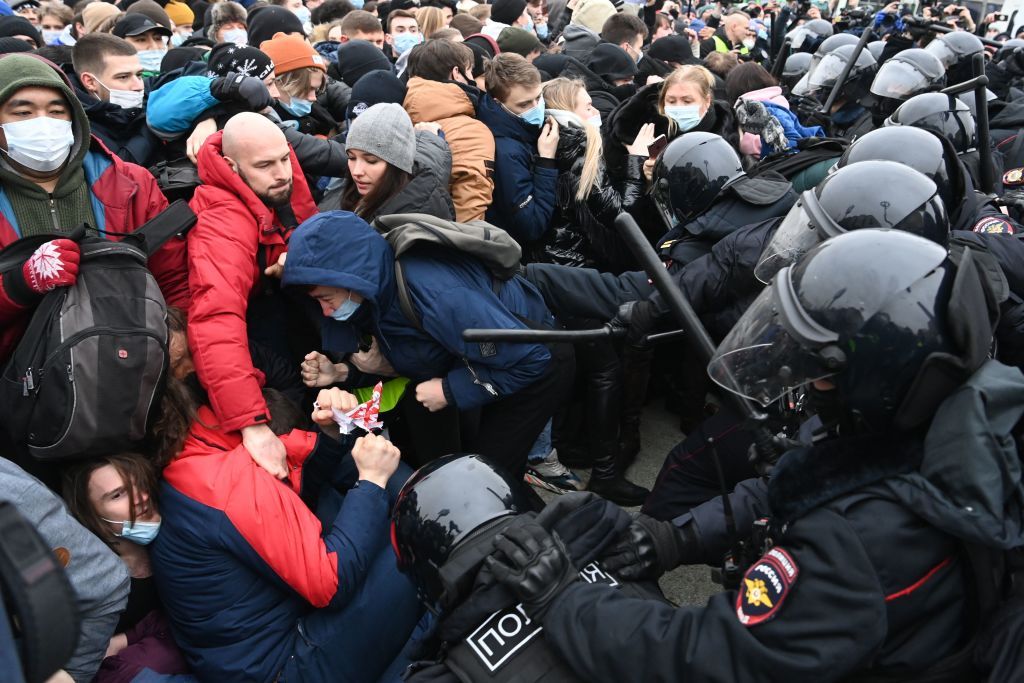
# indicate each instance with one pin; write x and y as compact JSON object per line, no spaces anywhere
{"x":524,"y":186}
{"x":451,"y":291}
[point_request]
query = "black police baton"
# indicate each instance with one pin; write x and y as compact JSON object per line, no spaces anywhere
{"x":526,"y":336}
{"x":847,"y":68}
{"x":979,"y":84}
{"x":742,"y":552}
{"x":779,"y":65}
{"x":936,"y":27}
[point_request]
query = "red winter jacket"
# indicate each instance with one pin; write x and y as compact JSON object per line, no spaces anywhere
{"x":223,"y":271}
{"x":124,"y":196}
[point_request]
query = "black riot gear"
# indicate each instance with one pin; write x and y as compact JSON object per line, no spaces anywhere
{"x":956,"y":51}
{"x":884,"y":339}
{"x":825,"y":47}
{"x":919,"y":149}
{"x":797,"y":66}
{"x":907,"y":73}
{"x":869,"y":194}
{"x":943,"y":115}
{"x":441,"y":507}
{"x":807,"y":37}
{"x":828,"y":71}
{"x":691,"y":173}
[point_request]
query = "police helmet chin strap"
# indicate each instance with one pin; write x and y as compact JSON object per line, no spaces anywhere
{"x":973,"y":313}
{"x":459,"y":573}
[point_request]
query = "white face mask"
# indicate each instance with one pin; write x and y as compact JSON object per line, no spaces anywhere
{"x":238,"y":36}
{"x":126,"y":99}
{"x":595,"y":120}
{"x":749,"y":43}
{"x":41,"y":144}
{"x":50,"y":36}
{"x":151,"y":59}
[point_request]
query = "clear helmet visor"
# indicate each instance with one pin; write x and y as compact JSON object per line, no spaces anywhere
{"x":898,"y":81}
{"x":827,"y":72}
{"x":943,"y":52}
{"x":760,"y":359}
{"x":796,"y":235}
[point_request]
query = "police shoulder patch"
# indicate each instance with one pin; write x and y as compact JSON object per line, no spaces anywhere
{"x":765,"y":586}
{"x":993,"y":225}
{"x":1014,"y":177}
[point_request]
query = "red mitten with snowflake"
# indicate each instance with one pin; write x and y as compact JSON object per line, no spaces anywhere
{"x":54,"y":264}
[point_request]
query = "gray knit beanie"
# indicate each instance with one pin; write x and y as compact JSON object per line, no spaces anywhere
{"x":385,"y":131}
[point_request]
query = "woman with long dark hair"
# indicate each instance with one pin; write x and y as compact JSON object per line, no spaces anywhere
{"x":395,"y":168}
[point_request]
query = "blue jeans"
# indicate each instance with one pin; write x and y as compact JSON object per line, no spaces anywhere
{"x":542,"y":446}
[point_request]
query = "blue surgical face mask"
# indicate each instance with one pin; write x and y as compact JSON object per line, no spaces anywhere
{"x":404,"y":42}
{"x":346,"y":310}
{"x":686,"y":116}
{"x":298,"y":107}
{"x":303,"y":14}
{"x":140,"y":533}
{"x":150,"y":60}
{"x":542,"y":30}
{"x":358,"y":4}
{"x":535,"y":115}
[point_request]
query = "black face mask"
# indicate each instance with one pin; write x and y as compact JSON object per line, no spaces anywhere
{"x":624,"y":92}
{"x":827,"y":405}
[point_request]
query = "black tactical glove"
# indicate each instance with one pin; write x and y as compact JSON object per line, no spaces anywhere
{"x":649,"y":548}
{"x":533,"y":564}
{"x":248,"y":91}
{"x":638,"y":318}
{"x":808,"y":111}
{"x":766,"y":450}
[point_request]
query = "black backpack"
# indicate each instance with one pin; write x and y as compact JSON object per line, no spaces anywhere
{"x":177,"y":179}
{"x":90,"y":367}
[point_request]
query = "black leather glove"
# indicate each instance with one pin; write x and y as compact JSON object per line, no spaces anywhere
{"x":649,"y":548}
{"x":638,"y":318}
{"x":533,"y":564}
{"x":245,"y":90}
{"x":766,"y":450}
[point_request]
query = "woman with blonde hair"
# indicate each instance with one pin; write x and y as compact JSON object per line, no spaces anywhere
{"x":430,"y":20}
{"x":587,"y":203}
{"x":683,"y":102}
{"x":582,"y":234}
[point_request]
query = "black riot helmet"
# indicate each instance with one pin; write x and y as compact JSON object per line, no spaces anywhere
{"x":883,"y":315}
{"x":441,"y":520}
{"x":956,"y":51}
{"x":828,"y":71}
{"x":1007,"y":49}
{"x":869,"y":194}
{"x":921,"y":150}
{"x":691,"y":173}
{"x":875,"y":47}
{"x":797,"y":65}
{"x":802,"y":86}
{"x":807,"y":37}
{"x":907,"y":73}
{"x":943,"y":115}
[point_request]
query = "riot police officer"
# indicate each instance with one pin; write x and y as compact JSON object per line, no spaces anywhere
{"x":905,"y":74}
{"x":443,"y":528}
{"x":847,"y":118}
{"x":866,"y":571}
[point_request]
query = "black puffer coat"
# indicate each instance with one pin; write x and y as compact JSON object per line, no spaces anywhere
{"x":583,"y":233}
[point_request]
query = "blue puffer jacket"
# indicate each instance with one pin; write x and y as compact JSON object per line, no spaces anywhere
{"x":524,"y":184}
{"x":451,"y":292}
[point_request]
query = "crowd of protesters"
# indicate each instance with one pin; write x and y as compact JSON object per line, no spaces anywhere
{"x":246,"y":537}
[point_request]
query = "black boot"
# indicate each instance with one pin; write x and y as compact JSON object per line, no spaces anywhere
{"x":636,"y":370}
{"x":608,"y":481}
{"x":618,"y":490}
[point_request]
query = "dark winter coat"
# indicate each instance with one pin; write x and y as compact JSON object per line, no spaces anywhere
{"x":123,"y":131}
{"x":601,"y":92}
{"x":579,"y":41}
{"x":856,"y":582}
{"x":524,"y":183}
{"x":745,"y":202}
{"x":450,"y":291}
{"x":426,"y":192}
{"x":583,"y":232}
{"x":623,"y":124}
